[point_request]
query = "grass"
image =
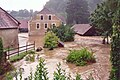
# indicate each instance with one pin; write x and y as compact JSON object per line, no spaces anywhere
{"x":20,"y":56}
{"x":81,"y":57}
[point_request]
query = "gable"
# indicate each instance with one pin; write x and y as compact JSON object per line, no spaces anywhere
{"x":81,"y":29}
{"x":6,"y":20}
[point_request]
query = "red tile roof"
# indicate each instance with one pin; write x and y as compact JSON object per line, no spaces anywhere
{"x":7,"y":21}
{"x":24,"y":24}
{"x":45,"y":11}
{"x":81,"y":28}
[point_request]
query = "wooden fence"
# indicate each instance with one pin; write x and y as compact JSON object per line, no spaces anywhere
{"x":10,"y":52}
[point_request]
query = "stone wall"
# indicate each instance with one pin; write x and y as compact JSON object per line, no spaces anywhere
{"x":9,"y":37}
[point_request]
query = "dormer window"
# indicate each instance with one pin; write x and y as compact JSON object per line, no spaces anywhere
{"x":50,"y":17}
{"x":41,"y":17}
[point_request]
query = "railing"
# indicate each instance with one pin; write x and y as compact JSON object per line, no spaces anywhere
{"x":18,"y":50}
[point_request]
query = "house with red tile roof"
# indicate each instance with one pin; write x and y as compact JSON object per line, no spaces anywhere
{"x":84,"y":30}
{"x":8,"y":29}
{"x":43,"y":20}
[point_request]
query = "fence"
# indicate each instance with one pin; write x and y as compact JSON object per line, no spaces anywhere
{"x":17,"y":50}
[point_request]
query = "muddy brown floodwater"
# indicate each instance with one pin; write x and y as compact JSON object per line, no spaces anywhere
{"x":100,"y":69}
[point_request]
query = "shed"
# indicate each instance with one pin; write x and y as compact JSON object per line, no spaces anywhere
{"x":84,"y":29}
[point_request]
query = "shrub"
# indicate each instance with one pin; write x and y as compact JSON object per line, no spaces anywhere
{"x":51,"y":40}
{"x":41,"y":72}
{"x":65,"y":33}
{"x":30,"y":57}
{"x":59,"y":74}
{"x":81,"y":57}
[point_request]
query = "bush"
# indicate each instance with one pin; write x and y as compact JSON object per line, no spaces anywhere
{"x":81,"y":57}
{"x":30,"y":57}
{"x":65,"y":33}
{"x":51,"y":40}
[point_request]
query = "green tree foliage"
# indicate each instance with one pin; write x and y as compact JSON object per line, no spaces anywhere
{"x":101,"y":19}
{"x":59,"y":74}
{"x":77,"y":12}
{"x":115,"y":47}
{"x":1,"y":50}
{"x":1,"y":56}
{"x":64,"y":32}
{"x":41,"y":72}
{"x":51,"y":40}
{"x":93,"y":4}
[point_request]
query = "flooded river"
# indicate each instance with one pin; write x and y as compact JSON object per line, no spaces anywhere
{"x":100,"y":69}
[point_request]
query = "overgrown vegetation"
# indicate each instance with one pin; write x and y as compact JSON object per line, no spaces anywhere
{"x":41,"y":72}
{"x":107,"y":19}
{"x":20,"y":56}
{"x":81,"y":57}
{"x":115,"y":47}
{"x":102,"y":19}
{"x":51,"y":40}
{"x":64,"y":32}
{"x":30,"y":57}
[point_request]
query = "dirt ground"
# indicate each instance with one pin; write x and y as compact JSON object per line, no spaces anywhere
{"x":99,"y":70}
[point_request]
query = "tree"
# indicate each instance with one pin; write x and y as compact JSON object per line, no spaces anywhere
{"x":1,"y":50}
{"x":51,"y":40}
{"x":1,"y":56}
{"x":64,"y":32}
{"x":115,"y":47}
{"x":77,"y":12}
{"x":93,"y":4}
{"x":101,"y":19}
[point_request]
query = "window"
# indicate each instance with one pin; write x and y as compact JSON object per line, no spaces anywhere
{"x":41,"y":17}
{"x":53,"y":24}
{"x":50,"y":17}
{"x":37,"y":26}
{"x":46,"y":26}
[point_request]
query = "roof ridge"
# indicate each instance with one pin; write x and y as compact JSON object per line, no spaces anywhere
{"x":10,"y":16}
